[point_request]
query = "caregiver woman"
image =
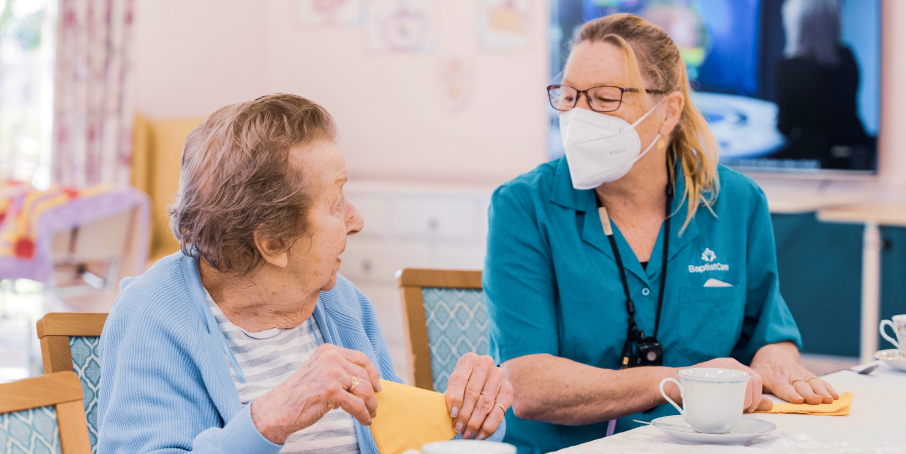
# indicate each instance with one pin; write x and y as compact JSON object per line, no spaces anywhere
{"x":580,"y":287}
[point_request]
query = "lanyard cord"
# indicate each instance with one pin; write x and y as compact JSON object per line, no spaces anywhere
{"x":633,"y":333}
{"x":660,"y":297}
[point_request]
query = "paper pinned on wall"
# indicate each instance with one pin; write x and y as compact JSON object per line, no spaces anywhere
{"x":454,"y":82}
{"x":504,"y":24}
{"x":343,"y":13}
{"x":401,"y":25}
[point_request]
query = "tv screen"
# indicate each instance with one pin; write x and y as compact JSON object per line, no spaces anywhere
{"x":787,"y":86}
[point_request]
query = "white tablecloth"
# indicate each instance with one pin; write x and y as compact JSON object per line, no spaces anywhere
{"x":877,"y":423}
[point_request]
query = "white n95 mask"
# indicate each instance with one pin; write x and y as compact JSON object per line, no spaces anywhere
{"x":600,"y":148}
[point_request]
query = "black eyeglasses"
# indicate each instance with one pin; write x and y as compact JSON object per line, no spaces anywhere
{"x":605,"y":98}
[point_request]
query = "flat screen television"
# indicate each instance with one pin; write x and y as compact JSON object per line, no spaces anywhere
{"x":788,"y":86}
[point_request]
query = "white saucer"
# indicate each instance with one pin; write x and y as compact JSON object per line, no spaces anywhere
{"x":893,"y":357}
{"x":746,"y":430}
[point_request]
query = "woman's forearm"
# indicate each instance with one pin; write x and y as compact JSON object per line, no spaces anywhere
{"x":561,"y":391}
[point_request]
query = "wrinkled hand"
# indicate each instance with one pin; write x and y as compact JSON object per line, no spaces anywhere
{"x":474,"y":387}
{"x":754,"y":400}
{"x":321,"y":385}
{"x":779,"y":365}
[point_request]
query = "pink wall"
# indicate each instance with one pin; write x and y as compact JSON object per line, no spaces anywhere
{"x":193,"y":56}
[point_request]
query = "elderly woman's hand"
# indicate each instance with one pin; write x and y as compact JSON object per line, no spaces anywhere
{"x":478,"y":395}
{"x":324,"y":383}
{"x":784,"y":377}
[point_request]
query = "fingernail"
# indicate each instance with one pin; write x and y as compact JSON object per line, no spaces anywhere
{"x":455,"y":412}
{"x":378,"y":386}
{"x":467,"y":436}
{"x":458,"y":427}
{"x":481,"y":437}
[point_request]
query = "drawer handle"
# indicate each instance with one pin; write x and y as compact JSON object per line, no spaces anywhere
{"x":433,"y":223}
{"x":367,"y":265}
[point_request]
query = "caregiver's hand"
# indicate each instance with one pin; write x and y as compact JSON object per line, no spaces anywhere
{"x":779,"y":365}
{"x":475,"y":389}
{"x":322,"y":384}
{"x":754,"y":400}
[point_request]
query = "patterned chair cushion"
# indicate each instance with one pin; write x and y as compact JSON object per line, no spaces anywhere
{"x":30,"y":432}
{"x":457,"y":322}
{"x":87,"y":366}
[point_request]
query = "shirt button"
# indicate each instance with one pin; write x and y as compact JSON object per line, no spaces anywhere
{"x":645,"y":291}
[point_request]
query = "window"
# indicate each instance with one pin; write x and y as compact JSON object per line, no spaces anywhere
{"x":26,"y":90}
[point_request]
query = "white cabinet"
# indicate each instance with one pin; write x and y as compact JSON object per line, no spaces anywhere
{"x":411,"y":227}
{"x":370,"y":259}
{"x":436,"y":216}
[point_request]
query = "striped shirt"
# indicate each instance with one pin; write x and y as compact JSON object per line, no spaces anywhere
{"x":269,"y":358}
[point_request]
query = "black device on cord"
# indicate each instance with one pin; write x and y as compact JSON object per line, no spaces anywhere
{"x":648,"y":352}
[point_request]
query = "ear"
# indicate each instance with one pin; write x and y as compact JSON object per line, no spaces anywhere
{"x":273,"y":251}
{"x":673,"y":110}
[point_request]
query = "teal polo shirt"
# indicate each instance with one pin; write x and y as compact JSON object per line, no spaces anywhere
{"x":552,"y":286}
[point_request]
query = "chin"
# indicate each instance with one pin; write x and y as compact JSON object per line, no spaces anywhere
{"x":330,"y":283}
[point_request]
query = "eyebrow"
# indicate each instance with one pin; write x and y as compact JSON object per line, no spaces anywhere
{"x":596,"y":84}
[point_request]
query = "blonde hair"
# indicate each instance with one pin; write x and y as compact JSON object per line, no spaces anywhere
{"x":237,"y":178}
{"x":653,"y":57}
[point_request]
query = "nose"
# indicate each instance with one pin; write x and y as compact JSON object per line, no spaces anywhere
{"x":354,"y":221}
{"x":583,"y":101}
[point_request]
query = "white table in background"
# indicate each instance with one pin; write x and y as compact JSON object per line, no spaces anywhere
{"x":876,"y":423}
{"x":873,"y":216}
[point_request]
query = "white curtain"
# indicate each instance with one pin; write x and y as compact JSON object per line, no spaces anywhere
{"x":92,"y":113}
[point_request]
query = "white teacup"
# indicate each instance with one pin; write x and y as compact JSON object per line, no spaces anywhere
{"x":899,"y":328}
{"x":713,"y":399}
{"x":465,"y":446}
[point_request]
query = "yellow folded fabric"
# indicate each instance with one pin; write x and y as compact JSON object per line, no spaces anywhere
{"x":839,"y":407}
{"x":408,"y":417}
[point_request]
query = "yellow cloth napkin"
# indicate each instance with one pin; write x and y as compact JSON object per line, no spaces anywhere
{"x":839,"y":407}
{"x":408,"y":417}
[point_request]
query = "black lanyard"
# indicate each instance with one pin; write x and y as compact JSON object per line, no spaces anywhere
{"x":628,"y":356}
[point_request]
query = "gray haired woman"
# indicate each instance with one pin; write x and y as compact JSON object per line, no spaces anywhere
{"x":248,"y":340}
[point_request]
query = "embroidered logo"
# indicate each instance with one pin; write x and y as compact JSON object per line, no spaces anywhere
{"x":709,"y":257}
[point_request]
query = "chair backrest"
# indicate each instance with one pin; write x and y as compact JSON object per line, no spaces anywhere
{"x":69,"y":342}
{"x":155,"y":164}
{"x":43,"y":414}
{"x":445,"y":317}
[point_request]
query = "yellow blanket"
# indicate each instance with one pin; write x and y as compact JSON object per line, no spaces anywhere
{"x":839,"y":407}
{"x":408,"y":417}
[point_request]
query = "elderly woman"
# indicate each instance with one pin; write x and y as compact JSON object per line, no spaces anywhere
{"x":248,"y":341}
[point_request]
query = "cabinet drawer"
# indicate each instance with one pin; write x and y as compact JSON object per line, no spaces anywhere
{"x":433,"y":217}
{"x":375,"y":260}
{"x":459,"y":256}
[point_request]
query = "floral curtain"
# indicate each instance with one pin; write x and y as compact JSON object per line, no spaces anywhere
{"x":92,"y":112}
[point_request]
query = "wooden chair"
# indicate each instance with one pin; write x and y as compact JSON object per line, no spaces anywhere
{"x":43,"y":414}
{"x":445,"y":317}
{"x":69,"y":342}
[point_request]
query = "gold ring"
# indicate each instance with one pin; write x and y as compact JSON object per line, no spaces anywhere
{"x":794,"y":381}
{"x":355,"y":382}
{"x":813,"y":378}
{"x":501,"y":407}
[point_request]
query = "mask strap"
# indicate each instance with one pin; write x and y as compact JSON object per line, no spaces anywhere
{"x":656,"y":138}
{"x":647,"y":113}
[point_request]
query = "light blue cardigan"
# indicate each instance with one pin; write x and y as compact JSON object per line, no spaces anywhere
{"x":166,"y":385}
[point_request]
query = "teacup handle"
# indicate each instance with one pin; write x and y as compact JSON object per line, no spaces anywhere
{"x":678,"y":385}
{"x":885,"y":336}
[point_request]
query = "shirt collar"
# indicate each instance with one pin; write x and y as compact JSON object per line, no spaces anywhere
{"x":564,"y":194}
